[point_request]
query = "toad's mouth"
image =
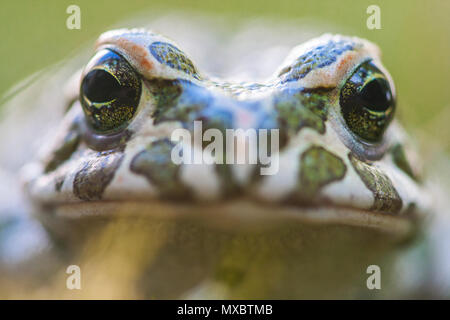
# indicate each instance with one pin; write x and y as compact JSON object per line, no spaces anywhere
{"x":239,"y":213}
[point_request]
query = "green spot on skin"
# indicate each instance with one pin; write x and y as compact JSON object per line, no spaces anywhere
{"x":166,"y":94}
{"x":304,"y":109}
{"x":91,"y":181}
{"x":400,"y":160}
{"x":156,"y":165}
{"x":187,"y":102}
{"x":170,"y":55}
{"x":316,"y":58}
{"x":293,"y":116}
{"x":65,"y":150}
{"x":386,"y":198}
{"x":318,"y":167}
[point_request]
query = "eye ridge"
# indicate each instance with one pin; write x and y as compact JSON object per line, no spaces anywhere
{"x":367,"y":104}
{"x":110,"y":92}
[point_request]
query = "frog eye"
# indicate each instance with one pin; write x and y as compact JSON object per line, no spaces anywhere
{"x":367,"y":103}
{"x":109,"y":92}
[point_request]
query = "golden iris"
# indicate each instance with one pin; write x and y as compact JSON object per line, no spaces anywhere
{"x":367,"y":103}
{"x":110,"y":92}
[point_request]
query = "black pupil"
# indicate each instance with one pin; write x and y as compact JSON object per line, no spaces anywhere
{"x":376,"y":95}
{"x":101,"y":86}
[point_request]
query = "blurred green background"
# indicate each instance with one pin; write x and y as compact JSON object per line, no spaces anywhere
{"x":414,"y":39}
